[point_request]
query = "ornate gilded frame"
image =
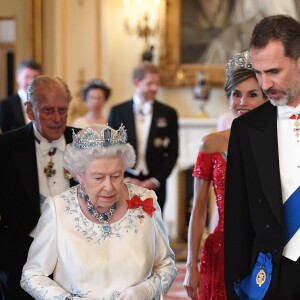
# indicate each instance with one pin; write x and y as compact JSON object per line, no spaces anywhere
{"x":173,"y":72}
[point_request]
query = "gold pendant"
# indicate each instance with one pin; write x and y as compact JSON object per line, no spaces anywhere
{"x":67,"y":174}
{"x":261,"y":277}
{"x":49,"y":171}
{"x":296,"y":131}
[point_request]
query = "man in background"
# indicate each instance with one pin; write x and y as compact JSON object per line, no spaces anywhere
{"x":31,"y":169}
{"x":152,"y":129}
{"x":12,"y":109}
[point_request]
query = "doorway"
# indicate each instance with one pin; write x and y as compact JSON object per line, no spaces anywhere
{"x":7,"y":56}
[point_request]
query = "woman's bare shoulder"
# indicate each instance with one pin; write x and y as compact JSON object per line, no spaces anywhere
{"x":215,"y":142}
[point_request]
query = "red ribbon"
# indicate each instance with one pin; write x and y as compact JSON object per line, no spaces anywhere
{"x":296,"y":116}
{"x":147,"y":204}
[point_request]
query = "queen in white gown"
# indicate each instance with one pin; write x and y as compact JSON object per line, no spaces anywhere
{"x":102,"y":239}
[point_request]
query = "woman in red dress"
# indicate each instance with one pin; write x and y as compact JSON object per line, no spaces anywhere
{"x":207,"y":281}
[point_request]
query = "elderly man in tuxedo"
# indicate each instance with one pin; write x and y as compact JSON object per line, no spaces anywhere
{"x":31,"y":169}
{"x":262,"y":193}
{"x":152,"y":129}
{"x":12,"y":109}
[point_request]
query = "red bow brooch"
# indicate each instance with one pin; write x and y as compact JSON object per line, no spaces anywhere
{"x":147,"y":204}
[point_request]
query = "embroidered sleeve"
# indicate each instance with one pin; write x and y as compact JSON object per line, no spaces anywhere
{"x":203,"y":166}
{"x":42,"y":258}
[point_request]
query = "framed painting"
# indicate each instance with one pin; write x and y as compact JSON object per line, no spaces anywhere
{"x":201,"y":35}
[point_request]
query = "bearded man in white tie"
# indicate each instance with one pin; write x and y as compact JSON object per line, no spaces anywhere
{"x":262,"y":194}
{"x":152,"y":129}
{"x":31,"y":169}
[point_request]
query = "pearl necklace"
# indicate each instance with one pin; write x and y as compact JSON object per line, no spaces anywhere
{"x":103,"y":218}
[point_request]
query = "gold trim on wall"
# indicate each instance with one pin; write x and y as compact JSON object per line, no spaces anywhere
{"x":35,"y":29}
{"x":173,"y":72}
{"x":98,"y":40}
{"x":63,"y":18}
{"x":5,"y":48}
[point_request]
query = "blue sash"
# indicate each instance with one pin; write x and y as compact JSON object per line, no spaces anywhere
{"x":255,"y":285}
{"x":291,"y":210}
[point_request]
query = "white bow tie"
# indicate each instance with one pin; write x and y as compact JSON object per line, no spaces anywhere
{"x":46,"y":147}
{"x":286,"y":111}
{"x":145,"y":109}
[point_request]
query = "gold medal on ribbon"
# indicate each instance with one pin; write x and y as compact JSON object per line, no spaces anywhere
{"x":166,"y":142}
{"x":49,"y":169}
{"x":261,"y":277}
{"x":67,"y":174}
{"x":157,"y":142}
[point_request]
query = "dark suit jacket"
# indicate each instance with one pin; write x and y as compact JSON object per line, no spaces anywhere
{"x":160,"y":160}
{"x":19,"y":198}
{"x":11,"y":113}
{"x":253,"y":199}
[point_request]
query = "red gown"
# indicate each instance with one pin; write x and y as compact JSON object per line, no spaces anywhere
{"x":212,"y":166}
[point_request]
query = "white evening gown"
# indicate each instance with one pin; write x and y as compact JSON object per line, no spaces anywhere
{"x":90,"y":265}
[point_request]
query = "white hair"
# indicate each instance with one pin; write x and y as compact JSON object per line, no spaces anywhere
{"x":76,"y":159}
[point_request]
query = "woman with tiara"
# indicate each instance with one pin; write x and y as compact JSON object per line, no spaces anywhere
{"x":206,"y":282}
{"x":102,"y":239}
{"x":95,"y":94}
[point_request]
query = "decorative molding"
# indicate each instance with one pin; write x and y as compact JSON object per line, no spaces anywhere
{"x":63,"y":19}
{"x":4,"y":49}
{"x":78,"y":108}
{"x":190,"y":133}
{"x":35,"y":30}
{"x":189,"y":128}
{"x":98,"y":40}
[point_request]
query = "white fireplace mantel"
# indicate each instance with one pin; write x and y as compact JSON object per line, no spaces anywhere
{"x":191,"y":131}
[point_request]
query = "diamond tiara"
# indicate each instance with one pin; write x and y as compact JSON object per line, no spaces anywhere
{"x":89,"y":138}
{"x":239,"y":60}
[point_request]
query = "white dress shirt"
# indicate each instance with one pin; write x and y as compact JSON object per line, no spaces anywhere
{"x":50,"y":186}
{"x":289,"y":164}
{"x":142,"y":118}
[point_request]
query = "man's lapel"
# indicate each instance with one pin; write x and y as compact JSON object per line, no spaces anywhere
{"x":26,"y":165}
{"x":130,"y":124}
{"x":264,"y":144}
{"x":153,"y":127}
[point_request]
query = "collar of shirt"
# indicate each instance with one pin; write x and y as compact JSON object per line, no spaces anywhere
{"x":286,"y":111}
{"x":22,"y":95}
{"x":45,"y":146}
{"x":139,"y":106}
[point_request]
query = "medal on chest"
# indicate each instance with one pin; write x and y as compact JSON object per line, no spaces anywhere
{"x":296,"y":124}
{"x":49,"y":169}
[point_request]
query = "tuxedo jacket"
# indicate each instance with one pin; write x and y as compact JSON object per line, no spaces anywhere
{"x":11,"y":113}
{"x":160,"y":158}
{"x":19,"y":198}
{"x":253,"y":199}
